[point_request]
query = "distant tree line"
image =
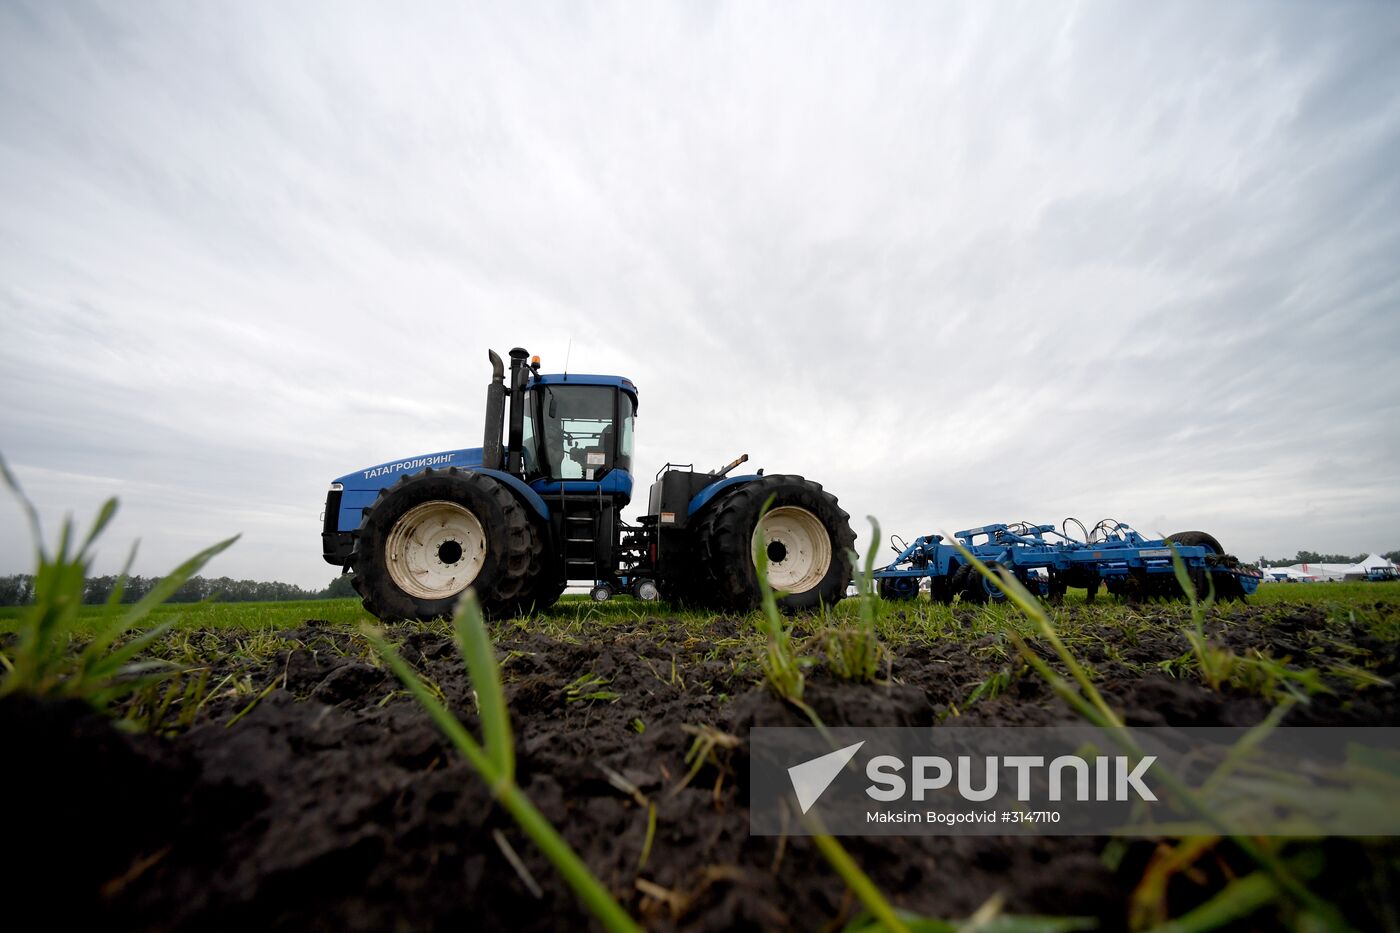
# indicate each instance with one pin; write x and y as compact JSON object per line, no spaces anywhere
{"x":1312,"y":557}
{"x":18,"y":590}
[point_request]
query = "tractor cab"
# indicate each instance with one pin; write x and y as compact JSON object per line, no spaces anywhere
{"x":569,"y":437}
{"x":578,"y":431}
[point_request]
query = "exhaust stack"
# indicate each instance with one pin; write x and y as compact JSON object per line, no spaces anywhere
{"x":492,"y":454}
{"x":518,"y":375}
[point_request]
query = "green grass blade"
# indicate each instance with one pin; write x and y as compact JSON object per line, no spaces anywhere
{"x":119,"y":585}
{"x":1240,"y":898}
{"x":166,"y":588}
{"x":866,"y":580}
{"x":859,"y":883}
{"x":31,"y":514}
{"x":585,"y":886}
{"x":104,"y":516}
{"x":1031,"y":608}
{"x":1183,"y":579}
{"x":780,"y":666}
{"x":486,"y":681}
{"x":1246,"y":745}
{"x":874,"y":549}
{"x":1104,"y":717}
{"x":101,"y":667}
{"x":65,"y":538}
{"x":441,"y":716}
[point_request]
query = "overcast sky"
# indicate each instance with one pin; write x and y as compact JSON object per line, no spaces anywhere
{"x":961,"y":263}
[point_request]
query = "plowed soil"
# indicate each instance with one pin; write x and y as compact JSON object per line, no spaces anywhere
{"x":334,"y":804}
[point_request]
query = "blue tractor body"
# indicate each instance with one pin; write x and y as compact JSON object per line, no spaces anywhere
{"x":359,"y":489}
{"x":538,"y":506}
{"x":353,"y":493}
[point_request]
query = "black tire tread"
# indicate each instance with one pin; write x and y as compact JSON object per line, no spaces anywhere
{"x":500,"y":597}
{"x":730,"y":581}
{"x":1196,"y":539}
{"x":970,"y":585}
{"x":890,"y":589}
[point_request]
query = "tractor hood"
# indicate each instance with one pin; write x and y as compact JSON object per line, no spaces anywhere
{"x":360,"y":488}
{"x":386,"y":474}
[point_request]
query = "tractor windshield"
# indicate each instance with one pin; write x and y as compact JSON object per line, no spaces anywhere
{"x":578,"y":432}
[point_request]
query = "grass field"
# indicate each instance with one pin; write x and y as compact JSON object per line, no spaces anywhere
{"x":1376,"y":605}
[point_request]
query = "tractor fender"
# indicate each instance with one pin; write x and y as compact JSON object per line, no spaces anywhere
{"x":522,"y":492}
{"x":703,"y":497}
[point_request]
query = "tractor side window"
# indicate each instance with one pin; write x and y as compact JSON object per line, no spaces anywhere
{"x":629,"y":414}
{"x":528,"y":454}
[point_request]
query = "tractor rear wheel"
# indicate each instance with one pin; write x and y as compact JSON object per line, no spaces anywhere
{"x":806,"y":536}
{"x":430,"y":536}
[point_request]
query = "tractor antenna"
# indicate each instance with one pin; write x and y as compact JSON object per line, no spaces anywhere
{"x":566,"y":357}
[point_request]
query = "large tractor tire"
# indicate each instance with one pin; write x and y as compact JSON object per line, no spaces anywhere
{"x":807,"y":537}
{"x":684,"y":581}
{"x":430,"y":536}
{"x":545,"y":581}
{"x":546,"y":594}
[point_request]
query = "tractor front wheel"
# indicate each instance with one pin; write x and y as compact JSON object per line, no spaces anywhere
{"x":430,"y":536}
{"x":544,"y":579}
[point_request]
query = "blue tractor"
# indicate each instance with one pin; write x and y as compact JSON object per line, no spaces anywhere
{"x":539,"y":507}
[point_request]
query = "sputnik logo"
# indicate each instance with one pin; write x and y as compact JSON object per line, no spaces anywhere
{"x":811,"y":778}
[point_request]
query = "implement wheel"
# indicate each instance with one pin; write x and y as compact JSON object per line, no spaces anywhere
{"x":1196,"y":539}
{"x":430,"y":536}
{"x":975,"y":588}
{"x":940,"y":589}
{"x":806,"y":536}
{"x":899,"y":589}
{"x":1219,"y":565}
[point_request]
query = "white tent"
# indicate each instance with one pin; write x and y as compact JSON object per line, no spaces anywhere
{"x":1287,"y":575}
{"x":1337,"y":572}
{"x":1322,"y":572}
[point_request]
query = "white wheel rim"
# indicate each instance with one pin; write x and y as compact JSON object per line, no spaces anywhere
{"x":435,"y":550}
{"x":798,"y":548}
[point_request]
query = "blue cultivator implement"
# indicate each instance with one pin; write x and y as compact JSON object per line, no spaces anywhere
{"x":1049,"y":560}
